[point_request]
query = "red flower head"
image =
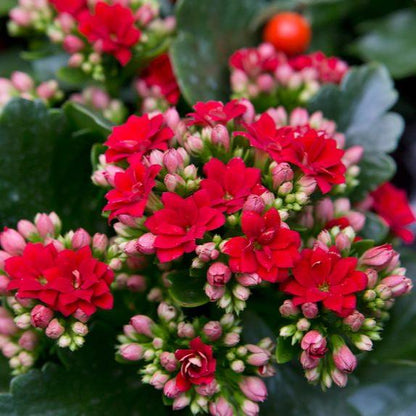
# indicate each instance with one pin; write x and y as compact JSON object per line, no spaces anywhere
{"x":72,"y":7}
{"x":137,"y":135}
{"x":181,"y":222}
{"x":159,"y":73}
{"x":131,"y":189}
{"x":392,"y":205}
{"x":111,"y":29}
{"x":215,"y":112}
{"x":65,"y":281}
{"x":325,"y":276}
{"x":197,"y":365}
{"x":229,"y":185}
{"x":267,"y":248}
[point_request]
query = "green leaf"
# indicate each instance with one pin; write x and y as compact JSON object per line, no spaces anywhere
{"x":390,"y":40}
{"x":6,"y":6}
{"x":284,"y":350}
{"x":186,"y":290}
{"x":361,"y":246}
{"x":374,"y":228}
{"x":209,"y":31}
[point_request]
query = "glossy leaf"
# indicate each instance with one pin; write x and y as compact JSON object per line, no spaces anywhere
{"x":186,"y":290}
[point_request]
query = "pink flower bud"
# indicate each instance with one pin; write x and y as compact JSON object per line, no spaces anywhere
{"x":170,"y":389}
{"x":314,"y":344}
{"x":342,"y":242}
{"x":44,"y":225}
{"x":352,"y":156}
{"x":354,"y":321}
{"x":73,"y":44}
{"x":378,"y":257}
{"x":168,"y":361}
{"x":288,"y":309}
{"x":21,"y":81}
{"x":399,"y":285}
{"x":221,"y":408}
{"x":142,"y":324}
{"x":339,"y":378}
{"x":20,"y":16}
{"x":279,"y":115}
{"x":7,"y":325}
{"x":363,"y":343}
{"x":80,"y":329}
{"x":214,"y":292}
{"x":172,"y":160}
{"x":231,"y":339}
{"x":372,"y":276}
{"x":218,"y":274}
{"x":307,"y":184}
{"x":172,"y":181}
{"x":207,"y":389}
{"x":81,"y":316}
{"x":248,"y":279}
{"x":54,"y":330}
{"x":28,"y":340}
{"x":146,"y":243}
{"x":181,"y":402}
{"x":166,"y":312}
{"x":10,"y":349}
{"x":172,"y":118}
{"x":185,"y":330}
{"x":250,"y":408}
{"x":136,"y":283}
{"x":212,"y":330}
{"x":80,"y":239}
{"x":99,"y":242}
{"x":207,"y":252}
{"x":12,"y":242}
{"x":248,"y":116}
{"x":253,"y":388}
{"x":344,"y":359}
{"x":27,"y":229}
{"x":131,"y":352}
{"x":299,"y":117}
{"x":325,"y":210}
{"x":258,"y":356}
{"x":312,"y":375}
{"x":307,"y":361}
{"x":220,"y":136}
{"x":129,"y":331}
{"x":158,"y":380}
{"x":254,"y":203}
{"x":47,"y":89}
{"x":41,"y":316}
{"x":356,"y":220}
{"x":145,"y":14}
{"x":241,"y":292}
{"x":3,"y":257}
{"x":265,"y":83}
{"x":281,"y":173}
{"x":4,"y":281}
{"x":194,"y":144}
{"x":310,"y":310}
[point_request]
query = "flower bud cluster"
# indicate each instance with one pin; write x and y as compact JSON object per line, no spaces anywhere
{"x":30,"y":16}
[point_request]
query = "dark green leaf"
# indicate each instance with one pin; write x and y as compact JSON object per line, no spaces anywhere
{"x":6,"y":6}
{"x":209,"y":32}
{"x":284,"y":350}
{"x":374,"y":229}
{"x":361,"y":246}
{"x":186,"y":290}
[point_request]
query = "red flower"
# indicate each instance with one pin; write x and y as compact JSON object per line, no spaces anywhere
{"x":111,"y":29}
{"x":131,"y":189}
{"x":325,"y":276}
{"x":137,"y":135}
{"x":181,"y":222}
{"x":215,"y":112}
{"x":64,"y":281}
{"x":392,"y":205}
{"x":197,"y":365}
{"x":72,"y":7}
{"x":341,"y":222}
{"x":229,"y":185}
{"x":267,"y":248}
{"x":159,"y":73}
{"x":252,"y":62}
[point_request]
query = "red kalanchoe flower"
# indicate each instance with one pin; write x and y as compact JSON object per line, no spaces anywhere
{"x":131,"y":189}
{"x":341,"y":222}
{"x":392,"y":205}
{"x":268,"y":248}
{"x":211,"y":113}
{"x":159,"y":73}
{"x":198,"y":365}
{"x":65,"y":281}
{"x":72,"y":7}
{"x":138,"y":135}
{"x":181,"y":222}
{"x":229,"y":185}
{"x":324,"y":276}
{"x":111,"y":29}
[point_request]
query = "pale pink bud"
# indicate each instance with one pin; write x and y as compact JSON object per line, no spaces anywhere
{"x":80,"y":239}
{"x":353,"y":155}
{"x":265,"y":83}
{"x":279,"y":115}
{"x":3,"y":257}
{"x":218,"y":274}
{"x":54,"y":330}
{"x":299,"y":117}
{"x":81,"y":316}
{"x":399,"y":285}
{"x":356,"y":220}
{"x":344,"y":359}
{"x":80,"y":329}
{"x":248,"y":279}
{"x":342,"y":242}
{"x":156,"y":158}
{"x":378,"y":257}
{"x":308,"y":184}
{"x":254,"y":389}
{"x":145,"y":14}
{"x":194,"y":144}
{"x":168,"y":361}
{"x":241,"y":292}
{"x":310,"y":310}
{"x":181,"y":402}
{"x":258,"y":356}
{"x":73,"y":44}
{"x":99,"y":242}
{"x":99,"y":98}
{"x":12,"y":242}
{"x":281,"y":173}
{"x":220,"y":136}
{"x":325,"y":238}
{"x":27,"y":229}
{"x":312,"y":375}
{"x":172,"y":118}
{"x":185,"y":330}
{"x":394,"y":263}
{"x":207,"y":389}
{"x":221,"y":408}
{"x":21,"y":81}
{"x":158,"y":380}
{"x":307,"y":361}
{"x":285,"y":189}
{"x":7,"y":325}
{"x":170,"y":389}
{"x":146,"y":243}
{"x":314,"y":343}
{"x":28,"y":340}
{"x":288,"y":309}
{"x":41,"y":316}
{"x":44,"y":225}
{"x":250,"y":408}
{"x":136,"y":283}
{"x":231,"y":339}
{"x":212,"y":330}
{"x":283,"y":73}
{"x":171,"y":181}
{"x":254,"y":203}
{"x":10,"y":349}
{"x":372,"y":276}
{"x":325,"y":210}
{"x":142,"y":324}
{"x":214,"y":292}
{"x":129,"y":331}
{"x":339,"y":378}
{"x":363,"y":343}
{"x":172,"y":160}
{"x":248,"y":116}
{"x":166,"y":312}
{"x":20,"y":16}
{"x":207,"y":252}
{"x":66,"y":21}
{"x":354,"y":321}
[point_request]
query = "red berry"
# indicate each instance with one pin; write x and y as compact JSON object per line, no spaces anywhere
{"x":288,"y":32}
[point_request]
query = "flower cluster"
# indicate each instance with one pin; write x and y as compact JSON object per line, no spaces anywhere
{"x":269,"y":78}
{"x":53,"y":283}
{"x":197,"y":363}
{"x":91,"y":32}
{"x":23,"y":85}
